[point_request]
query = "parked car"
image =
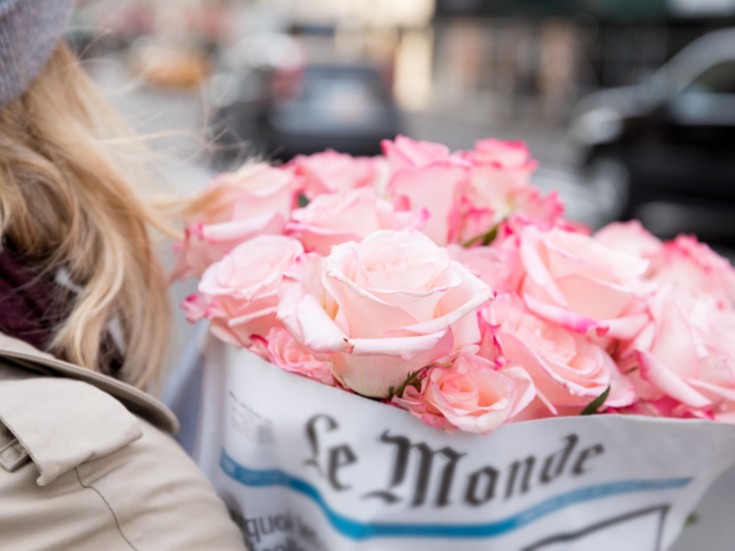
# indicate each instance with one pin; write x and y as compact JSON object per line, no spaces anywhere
{"x":671,"y":137}
{"x":348,"y":108}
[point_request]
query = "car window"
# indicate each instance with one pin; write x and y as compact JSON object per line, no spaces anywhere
{"x":717,"y":79}
{"x":709,"y":99}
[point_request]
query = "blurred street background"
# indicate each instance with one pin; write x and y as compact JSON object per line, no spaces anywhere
{"x":629,"y":105}
{"x":276,"y":78}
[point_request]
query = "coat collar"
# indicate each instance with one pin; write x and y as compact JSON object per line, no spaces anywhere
{"x":60,"y":423}
{"x":31,"y":359}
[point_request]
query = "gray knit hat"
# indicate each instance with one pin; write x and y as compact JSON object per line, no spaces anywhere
{"x":29,"y":31}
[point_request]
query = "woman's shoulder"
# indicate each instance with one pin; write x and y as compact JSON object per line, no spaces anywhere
{"x":61,"y":423}
{"x":62,"y":416}
{"x":23,"y":358}
{"x":70,"y":449}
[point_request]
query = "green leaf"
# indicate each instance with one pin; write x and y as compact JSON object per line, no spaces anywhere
{"x":484,"y":238}
{"x":594,"y":406}
{"x":413,"y":379}
{"x":490,"y":236}
{"x":303,"y":200}
{"x":691,"y":520}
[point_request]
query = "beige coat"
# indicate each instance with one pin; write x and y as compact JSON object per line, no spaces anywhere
{"x":86,"y":464}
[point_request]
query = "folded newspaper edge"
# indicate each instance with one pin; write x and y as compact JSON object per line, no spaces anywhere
{"x":306,"y":467}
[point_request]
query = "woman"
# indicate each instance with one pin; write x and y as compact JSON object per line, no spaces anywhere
{"x":85,"y":461}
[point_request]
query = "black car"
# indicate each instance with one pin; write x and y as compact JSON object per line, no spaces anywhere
{"x":348,"y":108}
{"x":669,"y":138}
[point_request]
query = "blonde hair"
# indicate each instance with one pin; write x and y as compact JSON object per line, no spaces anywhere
{"x":65,"y":203}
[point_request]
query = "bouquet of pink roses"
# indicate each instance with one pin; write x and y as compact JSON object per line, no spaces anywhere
{"x":444,"y":283}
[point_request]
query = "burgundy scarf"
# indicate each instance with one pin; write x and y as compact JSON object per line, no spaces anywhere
{"x":32,"y":306}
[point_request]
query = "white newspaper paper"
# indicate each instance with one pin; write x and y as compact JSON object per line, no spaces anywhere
{"x":305,"y":467}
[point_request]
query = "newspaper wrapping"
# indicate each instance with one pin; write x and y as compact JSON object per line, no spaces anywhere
{"x":307,"y":467}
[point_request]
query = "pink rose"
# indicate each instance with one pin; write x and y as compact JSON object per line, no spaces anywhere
{"x":568,"y":370}
{"x":498,"y":188}
{"x":498,"y":265}
{"x":687,"y":262}
{"x":687,"y":353}
{"x":494,"y":195}
{"x":205,"y":245}
{"x":574,"y":281}
{"x":286,"y":353}
{"x":334,"y":218}
{"x":261,"y":190}
{"x":382,"y":308}
{"x":330,"y":172}
{"x":426,"y":176}
{"x":255,"y":200}
{"x":242,"y":288}
{"x":194,"y":307}
{"x":470,"y":394}
{"x":513,"y":158}
{"x":436,"y":189}
{"x":228,"y":193}
{"x":405,"y":152}
{"x":629,"y":238}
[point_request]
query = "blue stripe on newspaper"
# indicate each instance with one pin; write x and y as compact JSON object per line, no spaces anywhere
{"x":357,"y":530}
